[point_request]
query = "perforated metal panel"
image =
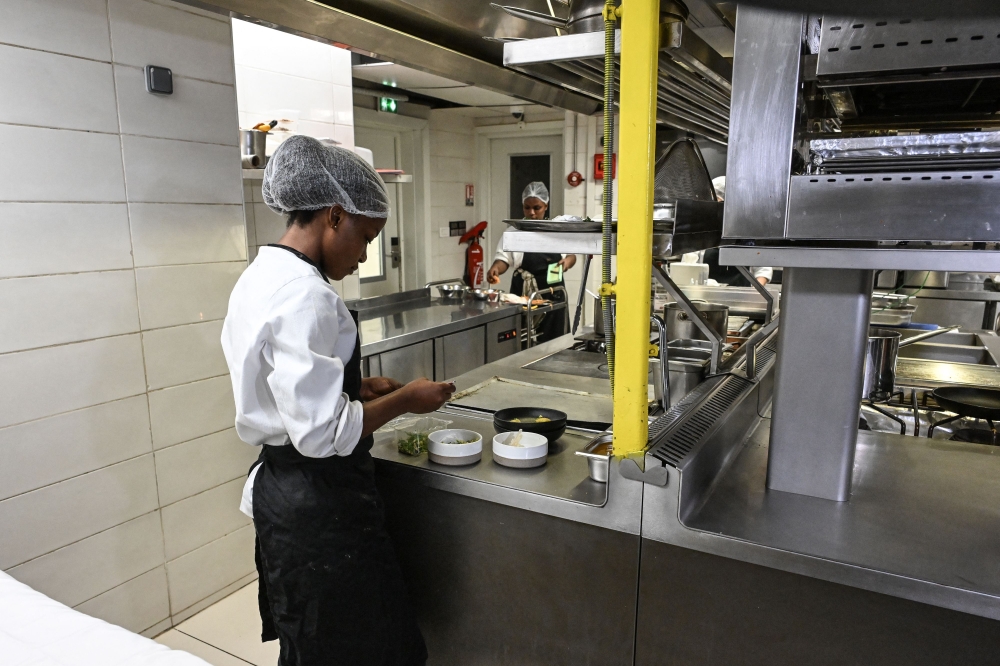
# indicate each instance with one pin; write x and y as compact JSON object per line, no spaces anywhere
{"x":672,"y":449}
{"x":854,"y":46}
{"x":681,"y":174}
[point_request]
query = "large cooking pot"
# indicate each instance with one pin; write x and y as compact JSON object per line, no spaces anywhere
{"x":680,"y":326}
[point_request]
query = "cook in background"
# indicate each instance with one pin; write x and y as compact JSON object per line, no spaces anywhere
{"x":534,"y":271}
{"x":330,"y":589}
{"x":725,"y":274}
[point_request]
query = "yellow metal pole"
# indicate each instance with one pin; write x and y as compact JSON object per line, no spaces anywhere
{"x":637,"y":122}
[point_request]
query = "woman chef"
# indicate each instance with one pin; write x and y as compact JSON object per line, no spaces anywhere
{"x":330,"y":588}
{"x":534,"y":271}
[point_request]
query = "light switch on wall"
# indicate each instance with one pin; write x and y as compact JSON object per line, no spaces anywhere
{"x":443,"y":232}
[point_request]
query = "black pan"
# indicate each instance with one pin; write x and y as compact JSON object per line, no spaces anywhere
{"x":553,"y":429}
{"x":969,"y":401}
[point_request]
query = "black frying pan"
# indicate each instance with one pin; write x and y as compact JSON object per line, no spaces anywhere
{"x":553,"y":429}
{"x":970,"y":401}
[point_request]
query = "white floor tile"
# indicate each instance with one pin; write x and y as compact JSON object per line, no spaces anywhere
{"x":233,"y":625}
{"x":180,"y":641}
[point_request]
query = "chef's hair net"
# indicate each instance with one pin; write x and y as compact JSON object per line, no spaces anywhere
{"x":535,"y":189}
{"x":720,"y":187}
{"x":303,"y":174}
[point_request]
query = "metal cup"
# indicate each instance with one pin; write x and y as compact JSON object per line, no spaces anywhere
{"x":880,"y":363}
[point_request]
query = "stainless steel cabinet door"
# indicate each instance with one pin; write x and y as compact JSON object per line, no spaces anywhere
{"x":502,"y":339}
{"x":407,"y":363}
{"x":463,"y":351}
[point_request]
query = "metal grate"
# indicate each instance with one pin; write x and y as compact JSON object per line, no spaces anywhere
{"x":852,"y":46}
{"x":658,"y":427}
{"x":680,"y":442}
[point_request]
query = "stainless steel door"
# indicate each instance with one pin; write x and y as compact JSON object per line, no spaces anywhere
{"x":502,"y":339}
{"x":407,"y":363}
{"x":462,"y":351}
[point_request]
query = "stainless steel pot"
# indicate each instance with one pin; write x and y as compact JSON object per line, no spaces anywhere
{"x":253,"y":146}
{"x":680,"y":326}
{"x":881,"y":356}
{"x":599,"y":315}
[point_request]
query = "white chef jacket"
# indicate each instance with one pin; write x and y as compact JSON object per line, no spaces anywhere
{"x":699,"y":256}
{"x":512,"y":259}
{"x":286,"y":338}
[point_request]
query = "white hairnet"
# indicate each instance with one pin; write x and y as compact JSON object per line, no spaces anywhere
{"x":720,"y":187}
{"x":535,"y":189}
{"x":303,"y":174}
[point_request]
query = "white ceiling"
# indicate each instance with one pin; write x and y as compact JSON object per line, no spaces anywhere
{"x":457,"y":92}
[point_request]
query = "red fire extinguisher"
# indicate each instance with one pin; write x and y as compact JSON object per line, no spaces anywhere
{"x":474,"y":271}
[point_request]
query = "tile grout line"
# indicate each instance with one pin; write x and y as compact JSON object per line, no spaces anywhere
{"x":120,"y":133}
{"x":135,"y":281}
{"x":213,"y":646}
{"x":73,"y":543}
{"x":109,"y":62}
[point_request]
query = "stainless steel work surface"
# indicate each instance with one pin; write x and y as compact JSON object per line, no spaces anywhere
{"x":923,"y":509}
{"x":573,"y":362}
{"x":498,"y":393}
{"x":406,"y":323}
{"x":564,"y":475}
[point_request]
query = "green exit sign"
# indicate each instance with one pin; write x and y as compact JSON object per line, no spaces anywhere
{"x":387,"y":104}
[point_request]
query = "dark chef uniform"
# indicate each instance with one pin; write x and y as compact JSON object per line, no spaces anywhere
{"x":330,"y":586}
{"x":539,"y":265}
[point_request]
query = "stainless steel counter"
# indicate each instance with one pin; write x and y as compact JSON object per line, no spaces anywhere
{"x":562,"y":488}
{"x":409,"y":318}
{"x":921,"y":523}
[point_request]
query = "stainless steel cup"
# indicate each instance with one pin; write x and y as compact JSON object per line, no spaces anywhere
{"x":253,"y":147}
{"x":880,"y":363}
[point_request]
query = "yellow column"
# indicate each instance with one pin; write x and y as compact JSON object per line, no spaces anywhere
{"x":637,"y":122}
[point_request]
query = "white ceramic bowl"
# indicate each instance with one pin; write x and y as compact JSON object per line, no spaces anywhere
{"x":443,"y":453}
{"x":533,"y":451}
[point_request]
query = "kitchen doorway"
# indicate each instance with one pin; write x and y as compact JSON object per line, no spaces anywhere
{"x":380,"y":274}
{"x":515,"y":162}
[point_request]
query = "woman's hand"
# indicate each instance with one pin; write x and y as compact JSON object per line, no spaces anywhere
{"x":568,"y":262}
{"x":376,"y":387}
{"x":422,"y":395}
{"x":496,"y":270}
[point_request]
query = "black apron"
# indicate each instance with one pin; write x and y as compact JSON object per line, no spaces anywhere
{"x":723,"y":274}
{"x":330,"y":587}
{"x":538,"y":264}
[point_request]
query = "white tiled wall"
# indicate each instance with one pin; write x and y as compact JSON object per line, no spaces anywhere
{"x":452,"y":166}
{"x":280,"y":76}
{"x":121,"y":236}
{"x":306,"y":85}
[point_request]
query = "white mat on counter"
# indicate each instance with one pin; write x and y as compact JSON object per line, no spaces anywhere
{"x":38,"y":631}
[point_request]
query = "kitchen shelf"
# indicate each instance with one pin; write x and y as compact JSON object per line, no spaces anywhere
{"x":693,"y":86}
{"x":396,"y":178}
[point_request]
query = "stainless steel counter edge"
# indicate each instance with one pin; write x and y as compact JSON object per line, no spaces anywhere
{"x":665,"y":526}
{"x":622,"y":512}
{"x":407,"y":339}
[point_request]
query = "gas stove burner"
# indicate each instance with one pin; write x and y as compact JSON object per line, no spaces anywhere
{"x":975,"y":436}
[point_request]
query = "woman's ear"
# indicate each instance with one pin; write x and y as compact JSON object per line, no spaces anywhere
{"x":334,"y":216}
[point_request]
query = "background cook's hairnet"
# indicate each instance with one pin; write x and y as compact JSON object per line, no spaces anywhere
{"x":536,"y":189}
{"x":303,"y":174}
{"x":719,"y":184}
